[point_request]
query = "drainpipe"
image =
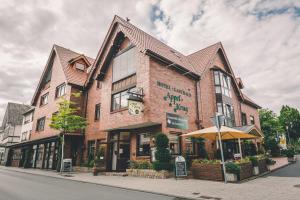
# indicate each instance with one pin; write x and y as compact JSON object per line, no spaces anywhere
{"x":197,"y":113}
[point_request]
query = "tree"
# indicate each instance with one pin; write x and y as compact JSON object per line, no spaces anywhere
{"x":67,"y":120}
{"x":290,"y":120}
{"x":271,"y":127}
{"x":162,"y":154}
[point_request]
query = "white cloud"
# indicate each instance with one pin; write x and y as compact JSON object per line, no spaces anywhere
{"x":260,"y":38}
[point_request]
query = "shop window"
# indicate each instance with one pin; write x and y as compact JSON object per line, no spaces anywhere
{"x":143,"y":144}
{"x":120,"y":100}
{"x":91,"y":150}
{"x":60,"y":90}
{"x":188,"y":146}
{"x":124,"y":64}
{"x":44,"y":99}
{"x":252,"y":120}
{"x":40,"y":124}
{"x":174,"y":144}
{"x":97,"y":111}
{"x":228,"y":111}
{"x":244,"y":119}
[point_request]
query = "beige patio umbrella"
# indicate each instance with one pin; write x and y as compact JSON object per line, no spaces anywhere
{"x":226,"y":133}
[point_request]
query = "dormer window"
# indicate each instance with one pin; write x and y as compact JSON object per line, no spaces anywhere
{"x":80,"y":66}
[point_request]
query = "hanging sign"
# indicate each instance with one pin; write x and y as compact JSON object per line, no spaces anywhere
{"x":180,"y":167}
{"x":135,"y":107}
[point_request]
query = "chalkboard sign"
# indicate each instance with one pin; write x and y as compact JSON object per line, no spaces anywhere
{"x":67,"y":165}
{"x":180,"y":167}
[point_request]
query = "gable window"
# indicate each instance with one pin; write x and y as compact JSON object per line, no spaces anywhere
{"x":80,"y":66}
{"x":222,"y":83}
{"x":44,"y":99}
{"x":244,"y":119}
{"x":97,"y":111}
{"x":143,"y":144}
{"x":27,"y":118}
{"x":60,"y":90}
{"x":40,"y":124}
{"x":124,"y":64}
{"x":120,"y":100}
{"x":252,"y":120}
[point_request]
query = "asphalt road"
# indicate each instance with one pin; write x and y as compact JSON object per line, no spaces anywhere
{"x":22,"y":186}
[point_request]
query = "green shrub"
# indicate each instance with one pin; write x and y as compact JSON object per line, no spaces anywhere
{"x":272,"y":145}
{"x":206,"y":161}
{"x":254,"y":161}
{"x":162,"y":154}
{"x":270,"y":161}
{"x":289,"y":152}
{"x":143,"y":164}
{"x":233,"y":168}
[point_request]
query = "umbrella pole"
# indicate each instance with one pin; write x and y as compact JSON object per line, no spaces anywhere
{"x":221,"y":148}
{"x":240,"y":147}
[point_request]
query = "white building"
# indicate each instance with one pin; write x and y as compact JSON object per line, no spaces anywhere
{"x":27,"y":125}
{"x":11,"y":127}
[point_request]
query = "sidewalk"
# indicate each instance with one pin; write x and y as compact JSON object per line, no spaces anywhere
{"x":268,"y":187}
{"x":280,"y":162}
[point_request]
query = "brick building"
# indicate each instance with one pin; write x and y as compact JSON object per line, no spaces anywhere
{"x":168,"y":92}
{"x":179,"y":95}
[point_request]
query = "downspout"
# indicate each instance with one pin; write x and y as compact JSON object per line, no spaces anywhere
{"x":197,"y":113}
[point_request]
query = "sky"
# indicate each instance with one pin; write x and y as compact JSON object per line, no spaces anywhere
{"x":260,"y":37}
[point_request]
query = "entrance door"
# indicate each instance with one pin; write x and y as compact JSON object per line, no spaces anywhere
{"x":120,"y":150}
{"x":114,"y":156}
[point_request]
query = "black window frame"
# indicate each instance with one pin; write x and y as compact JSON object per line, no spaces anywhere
{"x":97,"y":111}
{"x":138,"y":153}
{"x":244,"y":119}
{"x":38,"y":124}
{"x":46,"y":95}
{"x":224,"y":89}
{"x":119,"y":95}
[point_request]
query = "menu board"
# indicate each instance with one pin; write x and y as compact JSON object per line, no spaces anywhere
{"x":180,"y":167}
{"x":67,"y":165}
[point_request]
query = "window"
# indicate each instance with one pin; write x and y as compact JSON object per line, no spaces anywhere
{"x":143,"y":144}
{"x":124,"y":64}
{"x":222,"y":83}
{"x":244,"y":119}
{"x":40,"y":124}
{"x":60,"y":90}
{"x":252,"y":120}
{"x":228,"y":111}
{"x":174,"y":143}
{"x":120,"y":100}
{"x":44,"y":99}
{"x":80,"y":66}
{"x":97,"y":111}
{"x":91,"y":150}
{"x":24,"y":134}
{"x":27,"y":118}
{"x":99,"y":84}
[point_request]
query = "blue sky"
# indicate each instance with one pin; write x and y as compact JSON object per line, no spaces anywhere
{"x":261,"y":38}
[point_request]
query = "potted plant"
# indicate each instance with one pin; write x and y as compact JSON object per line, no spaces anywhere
{"x":290,"y":154}
{"x":269,"y":163}
{"x":254,"y":162}
{"x":232,"y":171}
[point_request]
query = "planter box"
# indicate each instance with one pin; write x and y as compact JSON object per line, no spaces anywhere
{"x":246,"y":171}
{"x":231,"y":177}
{"x":292,"y":159}
{"x":148,"y":173}
{"x":212,"y":172}
{"x":262,"y":166}
{"x":255,"y":170}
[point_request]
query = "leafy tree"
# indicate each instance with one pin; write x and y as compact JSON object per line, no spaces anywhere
{"x":290,"y":120}
{"x":270,"y":126}
{"x":67,"y":120}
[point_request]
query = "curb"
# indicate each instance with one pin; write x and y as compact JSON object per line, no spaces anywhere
{"x":102,"y":184}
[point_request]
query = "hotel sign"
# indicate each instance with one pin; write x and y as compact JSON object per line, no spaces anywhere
{"x":177,"y":121}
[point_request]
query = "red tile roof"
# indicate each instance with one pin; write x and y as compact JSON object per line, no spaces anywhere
{"x":73,"y":76}
{"x":250,"y":101}
{"x":202,"y":58}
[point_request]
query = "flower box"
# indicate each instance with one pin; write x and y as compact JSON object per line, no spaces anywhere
{"x":231,"y":177}
{"x":207,"y":171}
{"x":255,"y":170}
{"x":148,"y":173}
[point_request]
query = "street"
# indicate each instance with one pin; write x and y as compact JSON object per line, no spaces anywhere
{"x":22,"y":186}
